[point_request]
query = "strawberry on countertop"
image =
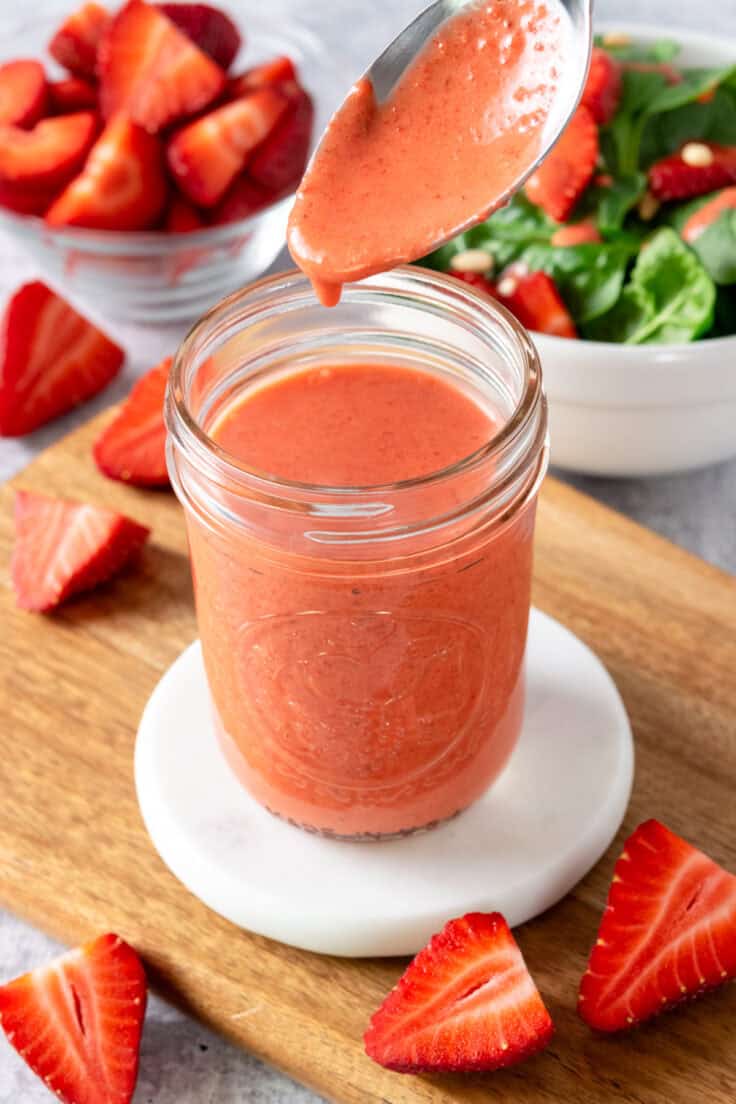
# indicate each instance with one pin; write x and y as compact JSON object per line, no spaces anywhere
{"x":51,"y":359}
{"x":211,"y":29}
{"x":467,"y":1002}
{"x":132,"y":447}
{"x":698,"y":168}
{"x":77,"y":1022}
{"x":567,"y":169}
{"x":23,"y":92}
{"x":668,"y":932}
{"x":76,"y":41}
{"x":602,"y":92}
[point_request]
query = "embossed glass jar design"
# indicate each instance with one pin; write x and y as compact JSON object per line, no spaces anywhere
{"x":363,"y":646}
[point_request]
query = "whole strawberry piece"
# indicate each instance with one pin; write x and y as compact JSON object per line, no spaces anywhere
{"x":51,"y":359}
{"x":602,"y":92}
{"x":558,"y":183}
{"x":132,"y":447}
{"x":76,"y":42}
{"x":668,"y":932}
{"x":63,"y":548}
{"x":211,"y":29}
{"x":23,"y":92}
{"x":77,"y":1022}
{"x":466,"y":1002}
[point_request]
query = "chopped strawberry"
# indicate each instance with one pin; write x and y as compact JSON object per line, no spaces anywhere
{"x":152,"y":70}
{"x":51,"y":359}
{"x":76,"y":42}
{"x":467,"y":1002}
{"x":278,"y":71}
{"x":243,"y":199}
{"x":23,"y":93}
{"x":577,"y":233}
{"x":77,"y":1022}
{"x":211,"y":30}
{"x":708,"y":213}
{"x":36,"y":163}
{"x":681,"y":176}
{"x":534,"y":299}
{"x":477,"y":280}
{"x":668,"y":932}
{"x":205,"y":156}
{"x":602,"y":92}
{"x":122,"y":185}
{"x":566,"y":171}
{"x":280,"y":161}
{"x":64,"y":548}
{"x":182,"y":217}
{"x":132,"y":447}
{"x":72,"y":94}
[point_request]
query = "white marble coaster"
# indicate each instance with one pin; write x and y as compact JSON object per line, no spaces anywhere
{"x":547,"y":820}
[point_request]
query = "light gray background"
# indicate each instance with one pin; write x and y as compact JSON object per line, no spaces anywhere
{"x":182,"y":1063}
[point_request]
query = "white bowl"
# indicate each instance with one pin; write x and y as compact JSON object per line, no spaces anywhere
{"x":643,"y":410}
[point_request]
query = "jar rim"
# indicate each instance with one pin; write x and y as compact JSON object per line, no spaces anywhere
{"x":404,"y":279}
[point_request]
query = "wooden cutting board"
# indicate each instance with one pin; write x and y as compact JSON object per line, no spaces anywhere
{"x":75,"y":859}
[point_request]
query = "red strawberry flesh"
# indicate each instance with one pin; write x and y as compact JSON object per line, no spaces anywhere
{"x":132,"y":448}
{"x":23,"y":93}
{"x":566,"y":171}
{"x":45,"y":157}
{"x":280,"y":161}
{"x":76,"y":42}
{"x":72,"y":94}
{"x":242,"y":200}
{"x":602,"y":92}
{"x":674,"y":178}
{"x":701,"y":219}
{"x":534,"y":299}
{"x":277,"y":71}
{"x":209,"y":28}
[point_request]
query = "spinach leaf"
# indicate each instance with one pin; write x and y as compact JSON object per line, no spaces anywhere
{"x":627,"y":317}
{"x":677,"y":215}
{"x":725,"y":322}
{"x":716,"y":248}
{"x":589,"y":276}
{"x":614,"y":203}
{"x":663,"y":50}
{"x":505,"y":234}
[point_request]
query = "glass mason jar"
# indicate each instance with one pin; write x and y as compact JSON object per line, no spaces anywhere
{"x":363,"y":646}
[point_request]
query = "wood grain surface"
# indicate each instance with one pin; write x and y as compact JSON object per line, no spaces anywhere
{"x":75,"y":859}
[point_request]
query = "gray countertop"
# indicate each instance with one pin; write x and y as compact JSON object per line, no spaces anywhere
{"x":182,"y":1063}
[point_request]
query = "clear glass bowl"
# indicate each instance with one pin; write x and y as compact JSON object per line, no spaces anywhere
{"x":154,"y":277}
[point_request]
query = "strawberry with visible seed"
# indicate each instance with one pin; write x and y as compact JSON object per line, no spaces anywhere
{"x":182,"y":217}
{"x":51,"y":359}
{"x":72,"y":94}
{"x":243,"y":199}
{"x":602,"y":92}
{"x":211,"y":30}
{"x":76,"y":42}
{"x":35,"y":163}
{"x":467,"y":1002}
{"x":708,"y":213}
{"x":64,"y":548}
{"x":533,"y":298}
{"x":152,"y":70}
{"x":122,"y":185}
{"x":668,"y":932}
{"x":566,"y":171}
{"x":77,"y":1022}
{"x":277,"y":71}
{"x":132,"y":448}
{"x":674,"y":178}
{"x":23,"y":93}
{"x":280,"y":161}
{"x":205,"y":156}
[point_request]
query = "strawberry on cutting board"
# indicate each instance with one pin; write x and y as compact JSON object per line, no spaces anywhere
{"x":77,"y":1022}
{"x":211,"y":29}
{"x":64,"y":548}
{"x":668,"y":932}
{"x":566,"y":171}
{"x":132,"y":447}
{"x":51,"y":359}
{"x":467,"y":1002}
{"x":23,"y":92}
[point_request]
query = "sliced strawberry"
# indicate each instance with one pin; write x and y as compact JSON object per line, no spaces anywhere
{"x":122,"y":185}
{"x":577,"y":233}
{"x":668,"y":932}
{"x":708,"y":213}
{"x":670,"y":74}
{"x":23,"y":93}
{"x":243,"y":199}
{"x":76,"y":42}
{"x":211,"y":30}
{"x":535,"y":301}
{"x":51,"y":359}
{"x":24,"y":200}
{"x":280,"y":161}
{"x":43,"y":159}
{"x":72,"y":94}
{"x":207,"y":155}
{"x":278,"y":71}
{"x":132,"y":447}
{"x":152,"y":70}
{"x":566,"y":171}
{"x":466,"y":1002}
{"x":602,"y":92}
{"x":182,"y":217}
{"x":683,"y":177}
{"x":77,"y":1022}
{"x":477,"y":280}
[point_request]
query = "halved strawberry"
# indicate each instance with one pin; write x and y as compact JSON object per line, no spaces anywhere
{"x":40,"y":161}
{"x":72,"y":94}
{"x":277,"y":71}
{"x":132,"y":447}
{"x":76,"y":42}
{"x":205,"y":156}
{"x":577,"y":233}
{"x":182,"y":217}
{"x":23,"y":93}
{"x":281,"y":159}
{"x":534,"y":299}
{"x":567,"y":169}
{"x":708,"y":213}
{"x":122,"y":185}
{"x":477,"y":280}
{"x":242,"y":199}
{"x":211,"y":29}
{"x":682,"y":176}
{"x":152,"y":70}
{"x":466,"y":1002}
{"x":602,"y":92}
{"x":77,"y":1022}
{"x":63,"y":548}
{"x":668,"y":932}
{"x":51,"y":359}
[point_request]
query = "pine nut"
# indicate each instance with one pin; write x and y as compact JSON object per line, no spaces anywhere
{"x":697,"y":155}
{"x":616,"y":38}
{"x":472,"y":260}
{"x":648,"y":206}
